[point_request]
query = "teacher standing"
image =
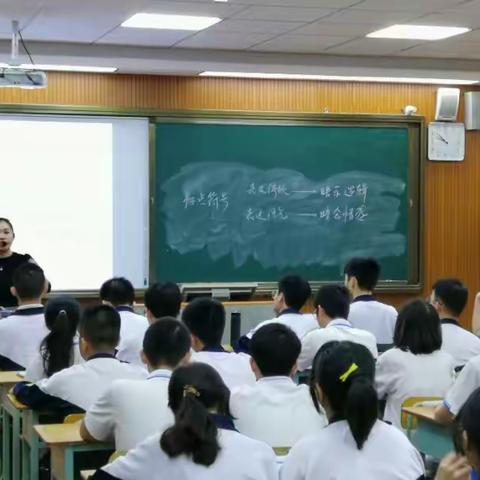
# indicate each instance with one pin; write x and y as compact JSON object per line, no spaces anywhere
{"x":9,"y":262}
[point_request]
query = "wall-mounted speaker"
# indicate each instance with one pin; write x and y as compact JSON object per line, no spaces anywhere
{"x":472,"y":110}
{"x":447,"y":104}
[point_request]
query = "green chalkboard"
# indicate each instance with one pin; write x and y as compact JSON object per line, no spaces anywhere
{"x":241,"y":200}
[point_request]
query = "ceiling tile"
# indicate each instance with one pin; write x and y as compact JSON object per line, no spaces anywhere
{"x":223,"y":40}
{"x":22,"y":10}
{"x":372,"y":46}
{"x":255,"y":26}
{"x":421,"y":6}
{"x":293,"y":14}
{"x":335,"y":4}
{"x":299,"y":43}
{"x":210,"y":8}
{"x":354,"y":15}
{"x":324,"y":27}
{"x":453,"y":19}
{"x":144,"y":37}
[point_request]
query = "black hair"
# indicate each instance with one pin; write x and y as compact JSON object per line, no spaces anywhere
{"x":193,"y":391}
{"x":452,"y":293}
{"x":166,"y":342}
{"x":418,"y":328}
{"x":296,"y":291}
{"x":275,"y":349}
{"x":9,"y":223}
{"x":118,"y":291}
{"x":335,"y":300}
{"x":345,"y":373}
{"x":62,"y":315}
{"x":365,"y":269}
{"x":468,"y":420}
{"x":205,"y":318}
{"x":29,"y":281}
{"x":163,"y":299}
{"x":100,"y":326}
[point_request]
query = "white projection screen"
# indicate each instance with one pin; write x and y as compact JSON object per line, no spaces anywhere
{"x":76,"y":190}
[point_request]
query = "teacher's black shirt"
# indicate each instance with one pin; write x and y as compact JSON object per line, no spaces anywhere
{"x":7,"y":266}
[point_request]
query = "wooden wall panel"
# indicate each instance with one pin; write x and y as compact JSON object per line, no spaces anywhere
{"x":452,"y":206}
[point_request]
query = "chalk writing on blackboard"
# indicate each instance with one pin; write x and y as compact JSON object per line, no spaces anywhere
{"x":280,"y":217}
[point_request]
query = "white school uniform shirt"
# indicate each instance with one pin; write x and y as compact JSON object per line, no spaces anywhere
{"x":300,"y":323}
{"x":339,"y":330}
{"x":21,"y":334}
{"x":82,"y":384}
{"x":401,"y":375}
{"x":240,"y":458}
{"x":234,"y":368}
{"x":132,"y":331}
{"x":129,"y":411}
{"x":467,"y":381}
{"x":376,"y":317}
{"x":35,"y":370}
{"x":461,"y":344}
{"x":332,"y":454}
{"x":276,"y":411}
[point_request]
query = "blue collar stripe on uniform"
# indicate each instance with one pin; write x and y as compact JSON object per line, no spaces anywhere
{"x":364,"y":298}
{"x":288,"y":311}
{"x":225,"y":422}
{"x":125,"y":308}
{"x":101,"y":355}
{"x":449,"y":321}
{"x":25,"y":312}
{"x":213,"y":348}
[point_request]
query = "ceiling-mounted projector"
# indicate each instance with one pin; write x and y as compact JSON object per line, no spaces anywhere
{"x":21,"y":78}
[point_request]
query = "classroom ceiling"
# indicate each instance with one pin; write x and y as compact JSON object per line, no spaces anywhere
{"x":302,"y":36}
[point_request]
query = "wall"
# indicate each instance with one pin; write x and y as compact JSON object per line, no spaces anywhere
{"x":452,"y":206}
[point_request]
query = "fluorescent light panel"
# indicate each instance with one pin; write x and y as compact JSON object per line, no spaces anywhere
{"x":298,"y":76}
{"x":61,"y":68}
{"x":170,"y":22}
{"x":418,"y":32}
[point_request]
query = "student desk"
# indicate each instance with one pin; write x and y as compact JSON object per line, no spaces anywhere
{"x":429,"y":437}
{"x":64,"y":441}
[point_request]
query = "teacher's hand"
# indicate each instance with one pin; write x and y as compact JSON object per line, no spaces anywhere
{"x":454,"y":467}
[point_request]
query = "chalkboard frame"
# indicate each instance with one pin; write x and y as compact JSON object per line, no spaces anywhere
{"x":417,"y":155}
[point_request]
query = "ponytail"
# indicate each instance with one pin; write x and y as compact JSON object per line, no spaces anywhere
{"x":361,"y":410}
{"x":194,"y":432}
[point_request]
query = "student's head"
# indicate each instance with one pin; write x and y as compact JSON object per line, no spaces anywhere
{"x":332,"y":301}
{"x":195,"y":392}
{"x":29,"y":283}
{"x":449,"y":297}
{"x":418,"y":328}
{"x":162,"y":300}
{"x":117,"y":291}
{"x":7,"y":235}
{"x":99,"y":330}
{"x":343,"y":381}
{"x":62,"y":316}
{"x":274,"y":350}
{"x":205,"y":318}
{"x":166,"y":344}
{"x":361,"y":274}
{"x":467,"y":430}
{"x":293,"y":292}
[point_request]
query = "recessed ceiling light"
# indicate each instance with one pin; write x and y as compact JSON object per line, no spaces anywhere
{"x":418,"y":32}
{"x":341,"y":78}
{"x":170,"y":22}
{"x":68,"y":68}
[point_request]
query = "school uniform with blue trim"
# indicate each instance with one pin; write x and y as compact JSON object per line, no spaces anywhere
{"x":461,"y":344}
{"x":129,"y":411}
{"x":367,"y":313}
{"x":339,"y":330}
{"x":234,"y":368}
{"x":132,"y":331}
{"x":20,"y":336}
{"x":240,"y":458}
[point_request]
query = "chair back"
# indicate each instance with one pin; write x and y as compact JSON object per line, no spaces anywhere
{"x":413,"y":402}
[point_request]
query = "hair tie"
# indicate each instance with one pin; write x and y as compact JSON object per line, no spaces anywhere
{"x":190,"y":390}
{"x":353,"y":368}
{"x":62,"y":312}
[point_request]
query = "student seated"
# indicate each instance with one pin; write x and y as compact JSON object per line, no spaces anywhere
{"x":120,"y":294}
{"x":366,"y":312}
{"x":355,"y":444}
{"x":449,"y":297}
{"x":80,"y":385}
{"x":161,"y":300}
{"x":59,"y":349}
{"x":416,"y":367}
{"x":292,"y":294}
{"x":22,"y":332}
{"x":202,"y":444}
{"x":332,"y":304}
{"x":275,"y":410}
{"x":131,"y":410}
{"x":205,"y":318}
{"x":465,"y":464}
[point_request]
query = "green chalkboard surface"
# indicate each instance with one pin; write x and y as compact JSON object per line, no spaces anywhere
{"x":251,"y":201}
